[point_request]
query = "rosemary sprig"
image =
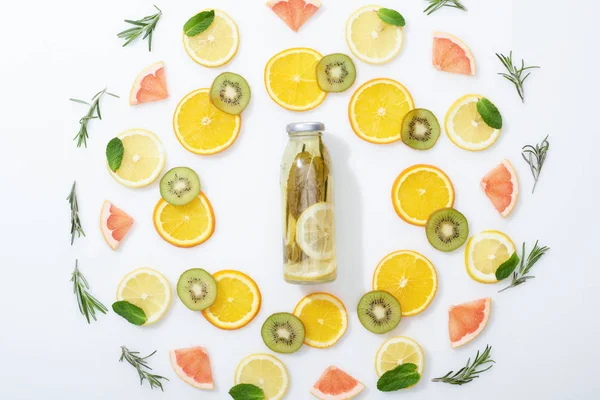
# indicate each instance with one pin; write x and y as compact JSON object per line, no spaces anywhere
{"x":75,"y":222}
{"x":535,"y":157}
{"x":145,"y":25}
{"x":470,"y":371}
{"x":141,"y":365}
{"x":435,"y":5}
{"x":93,"y":112}
{"x":520,"y":276}
{"x":88,"y":304}
{"x":515,"y":75}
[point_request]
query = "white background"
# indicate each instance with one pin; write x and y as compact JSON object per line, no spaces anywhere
{"x":544,"y":334}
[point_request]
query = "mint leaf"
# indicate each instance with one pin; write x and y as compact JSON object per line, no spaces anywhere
{"x":507,"y":267}
{"x":489,"y":113}
{"x":199,"y":23}
{"x":403,"y":376}
{"x":114,"y":154}
{"x":246,"y":391}
{"x":391,"y":17}
{"x":130,"y":312}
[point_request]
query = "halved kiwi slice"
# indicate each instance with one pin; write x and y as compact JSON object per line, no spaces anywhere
{"x":283,"y":333}
{"x":179,"y":186}
{"x":197,"y":289}
{"x":447,"y":229}
{"x":335,"y":73}
{"x":420,"y":129}
{"x":230,"y":93}
{"x":379,"y":311}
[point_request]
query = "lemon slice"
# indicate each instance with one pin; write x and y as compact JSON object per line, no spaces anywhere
{"x":215,"y":46}
{"x":466,"y":128}
{"x":310,"y":270}
{"x":315,"y":231}
{"x":485,"y":252}
{"x":143,"y":158}
{"x":371,"y":39}
{"x":266,"y":372}
{"x":396,"y":351}
{"x":147,"y":289}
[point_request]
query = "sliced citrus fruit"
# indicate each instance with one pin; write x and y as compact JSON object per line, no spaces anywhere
{"x":501,"y":186}
{"x":143,"y":158}
{"x":201,"y":127}
{"x":324,"y":317}
{"x":291,"y":79}
{"x":114,"y":224}
{"x":450,"y":54}
{"x":315,"y":231}
{"x":215,"y":46}
{"x":309,"y":270}
{"x":294,"y":12}
{"x":410,"y":277}
{"x":335,"y":384}
{"x":377,"y":108}
{"x":419,"y":191}
{"x":371,"y":39}
{"x":150,"y":85}
{"x":237,"y":303}
{"x":266,"y":372}
{"x":396,"y":351}
{"x":485,"y":253}
{"x":147,"y":289}
{"x":185,"y":226}
{"x":467,"y":320}
{"x":466,"y":128}
{"x":193,"y":366}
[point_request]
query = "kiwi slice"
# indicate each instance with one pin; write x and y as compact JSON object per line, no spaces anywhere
{"x":447,"y":229}
{"x":197,"y":289}
{"x":379,"y":311}
{"x":230,"y":93}
{"x":283,"y":333}
{"x":335,"y":73}
{"x":420,"y":129}
{"x":179,"y":186}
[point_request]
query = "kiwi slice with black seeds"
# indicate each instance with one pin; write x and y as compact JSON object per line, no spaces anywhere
{"x":197,"y":289}
{"x":420,"y":129}
{"x":447,"y":229}
{"x":230,"y":93}
{"x":179,"y":186}
{"x":335,"y":73}
{"x":283,"y":333}
{"x":379,"y":311}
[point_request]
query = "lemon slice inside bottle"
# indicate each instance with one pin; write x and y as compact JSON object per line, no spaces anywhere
{"x":315,"y":231}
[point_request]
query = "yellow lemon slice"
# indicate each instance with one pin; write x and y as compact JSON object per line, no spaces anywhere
{"x":147,"y":289}
{"x":266,"y":372}
{"x":397,"y":351}
{"x":466,"y":128}
{"x":315,"y":231}
{"x":215,"y":46}
{"x":324,"y":317}
{"x":485,"y":252}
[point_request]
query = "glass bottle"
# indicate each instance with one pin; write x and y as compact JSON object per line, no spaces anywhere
{"x":307,"y":205}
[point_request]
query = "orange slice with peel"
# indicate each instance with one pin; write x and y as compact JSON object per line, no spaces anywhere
{"x":324,"y":317}
{"x":467,"y":320}
{"x":150,"y":85}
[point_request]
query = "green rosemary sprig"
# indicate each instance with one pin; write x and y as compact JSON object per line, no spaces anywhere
{"x":145,"y":25}
{"x":75,"y":222}
{"x":535,"y":157}
{"x":435,"y":5}
{"x":141,"y":365}
{"x":515,"y":75}
{"x":470,"y":371}
{"x":93,"y":112}
{"x":88,"y":304}
{"x":520,"y":276}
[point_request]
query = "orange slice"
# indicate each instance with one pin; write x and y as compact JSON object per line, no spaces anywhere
{"x":114,"y":224}
{"x":450,"y":54}
{"x":150,"y":85}
{"x":336,"y":384}
{"x":294,"y":12}
{"x":193,"y":366}
{"x":501,"y":186}
{"x":467,"y":320}
{"x":324,"y":317}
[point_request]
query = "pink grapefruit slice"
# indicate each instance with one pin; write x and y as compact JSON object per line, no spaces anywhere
{"x":193,"y":366}
{"x":114,"y":223}
{"x":450,"y":54}
{"x":467,"y":320}
{"x":294,"y":12}
{"x":501,"y":186}
{"x":150,"y":85}
{"x":335,"y":384}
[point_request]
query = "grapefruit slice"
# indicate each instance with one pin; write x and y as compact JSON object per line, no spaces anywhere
{"x":501,"y":186}
{"x":294,"y":12}
{"x":450,"y":54}
{"x":467,"y":320}
{"x":150,"y":85}
{"x":193,"y":366}
{"x":114,"y":223}
{"x":335,"y":384}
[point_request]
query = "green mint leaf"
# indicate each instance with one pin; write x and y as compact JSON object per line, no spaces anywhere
{"x":391,"y":17}
{"x":246,"y":391}
{"x":507,"y":267}
{"x":489,"y":113}
{"x":403,"y":376}
{"x":199,"y":23}
{"x":114,"y":154}
{"x":130,"y":312}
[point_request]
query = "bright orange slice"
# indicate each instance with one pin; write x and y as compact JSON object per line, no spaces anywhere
{"x":114,"y":224}
{"x":193,"y":366}
{"x":324,"y":317}
{"x":450,"y":54}
{"x":501,"y":186}
{"x":150,"y":85}
{"x":467,"y":320}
